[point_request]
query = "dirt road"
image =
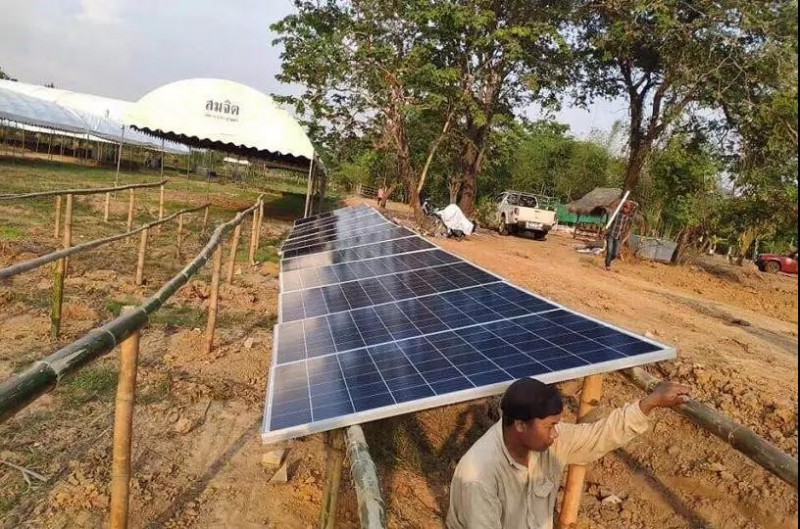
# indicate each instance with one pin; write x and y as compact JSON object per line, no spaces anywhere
{"x":197,"y":454}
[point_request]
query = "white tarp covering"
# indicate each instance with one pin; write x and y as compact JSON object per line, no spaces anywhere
{"x":228,"y":116}
{"x":454,"y":218}
{"x":100,"y":116}
{"x":32,"y":111}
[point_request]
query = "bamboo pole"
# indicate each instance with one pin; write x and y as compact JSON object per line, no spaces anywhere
{"x":130,"y":209}
{"x":258,"y":228}
{"x":211,"y":324}
{"x":232,"y":258}
{"x":107,"y":207}
{"x":330,"y":498}
{"x":252,"y":253}
{"x":60,"y":273}
{"x":123,"y":427}
{"x":371,"y":508}
{"x":180,"y":233}
{"x":57,"y":230}
{"x":161,"y":197}
{"x":590,"y":396}
{"x":739,"y":437}
{"x":140,"y":259}
{"x":205,"y":220}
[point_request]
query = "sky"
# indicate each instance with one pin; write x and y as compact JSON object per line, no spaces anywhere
{"x":125,"y":48}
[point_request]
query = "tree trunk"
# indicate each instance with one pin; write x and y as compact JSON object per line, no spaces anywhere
{"x":746,"y":240}
{"x":636,"y":163}
{"x":471,"y":159}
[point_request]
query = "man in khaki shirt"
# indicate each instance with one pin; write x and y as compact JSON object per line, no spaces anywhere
{"x":509,"y":479}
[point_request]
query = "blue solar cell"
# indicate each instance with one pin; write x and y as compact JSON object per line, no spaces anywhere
{"x":407,"y":394}
{"x":452,"y":385}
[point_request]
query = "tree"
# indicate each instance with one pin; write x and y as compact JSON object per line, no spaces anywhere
{"x":369,"y":63}
{"x":507,"y":54}
{"x":5,"y":77}
{"x":664,"y":57}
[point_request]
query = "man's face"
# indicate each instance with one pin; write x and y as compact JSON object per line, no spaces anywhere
{"x":627,"y":208}
{"x":539,"y":434}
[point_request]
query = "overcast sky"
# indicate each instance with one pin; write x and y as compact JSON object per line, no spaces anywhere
{"x":125,"y":48}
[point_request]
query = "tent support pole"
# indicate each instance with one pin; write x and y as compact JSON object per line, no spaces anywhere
{"x":119,"y":158}
{"x":308,"y":189}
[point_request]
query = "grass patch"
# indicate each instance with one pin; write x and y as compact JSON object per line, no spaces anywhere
{"x":8,"y":503}
{"x":179,"y":316}
{"x":88,"y":384}
{"x":267,"y":255}
{"x":11,"y":233}
{"x":246,"y":320}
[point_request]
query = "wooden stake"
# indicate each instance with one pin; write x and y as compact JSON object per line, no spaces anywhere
{"x":107,"y":207}
{"x":258,"y":227}
{"x":180,"y":233}
{"x":123,"y":427}
{"x":130,"y":209}
{"x":232,"y":258}
{"x":252,"y":254}
{"x":205,"y":220}
{"x":161,"y":197}
{"x":212,"y":302}
{"x":590,"y":396}
{"x":57,"y":231}
{"x":60,"y":273}
{"x":330,"y":498}
{"x":140,"y":260}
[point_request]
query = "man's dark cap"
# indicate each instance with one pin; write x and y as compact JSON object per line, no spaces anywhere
{"x":528,"y":399}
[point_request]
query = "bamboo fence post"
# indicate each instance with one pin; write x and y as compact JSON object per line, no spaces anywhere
{"x":161,"y":198}
{"x":371,"y":508}
{"x":107,"y":207}
{"x":140,"y":260}
{"x":213,"y":300}
{"x":205,"y":220}
{"x":591,"y":392}
{"x":180,"y":233}
{"x":57,"y":230}
{"x":123,"y":426}
{"x":252,"y":254}
{"x":260,"y":222}
{"x":232,"y":258}
{"x":59,"y":274}
{"x":130,"y":209}
{"x":330,"y":498}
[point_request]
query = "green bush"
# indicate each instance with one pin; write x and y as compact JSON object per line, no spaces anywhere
{"x":486,"y":213}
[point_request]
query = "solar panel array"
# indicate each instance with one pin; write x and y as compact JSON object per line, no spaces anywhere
{"x":374,"y":321}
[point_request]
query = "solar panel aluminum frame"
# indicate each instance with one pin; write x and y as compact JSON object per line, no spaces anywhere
{"x":664,"y":352}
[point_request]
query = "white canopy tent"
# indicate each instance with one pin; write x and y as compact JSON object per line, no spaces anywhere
{"x":226,"y":116}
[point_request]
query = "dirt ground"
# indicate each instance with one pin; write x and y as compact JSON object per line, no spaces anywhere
{"x":197,"y":456}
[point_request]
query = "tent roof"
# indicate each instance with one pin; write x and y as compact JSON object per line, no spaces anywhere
{"x":597,"y":200}
{"x":225,"y":116}
{"x":32,"y":111}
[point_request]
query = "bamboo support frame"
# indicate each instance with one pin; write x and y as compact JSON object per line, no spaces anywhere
{"x":140,"y":258}
{"x":330,"y":498}
{"x":213,"y":301}
{"x":51,"y":257}
{"x":123,"y":427}
{"x":161,"y":201}
{"x":180,"y":233}
{"x":739,"y":437}
{"x":131,"y":201}
{"x":79,"y":192}
{"x":19,"y":391}
{"x":107,"y":207}
{"x":205,"y":220}
{"x":60,"y":273}
{"x":237,"y":232}
{"x":57,"y":230}
{"x":590,"y":396}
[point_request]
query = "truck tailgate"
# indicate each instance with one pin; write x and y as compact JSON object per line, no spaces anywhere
{"x":548,"y":218}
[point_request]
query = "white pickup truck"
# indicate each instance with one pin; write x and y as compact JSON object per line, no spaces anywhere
{"x":518,"y":212}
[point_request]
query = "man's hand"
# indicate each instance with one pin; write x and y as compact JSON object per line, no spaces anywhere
{"x":666,"y":395}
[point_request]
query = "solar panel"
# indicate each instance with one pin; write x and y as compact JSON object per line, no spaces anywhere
{"x":364,"y":336}
{"x":366,"y":218}
{"x":383,"y":233}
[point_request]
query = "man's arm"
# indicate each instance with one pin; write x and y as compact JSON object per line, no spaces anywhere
{"x":480,"y":507}
{"x":579,"y":444}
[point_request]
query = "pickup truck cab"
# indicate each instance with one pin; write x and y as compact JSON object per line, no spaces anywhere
{"x":518,"y":212}
{"x":770,"y":262}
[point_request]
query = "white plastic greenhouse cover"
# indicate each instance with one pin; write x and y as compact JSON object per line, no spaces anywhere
{"x":100,"y":116}
{"x":32,"y":111}
{"x":223,"y":115}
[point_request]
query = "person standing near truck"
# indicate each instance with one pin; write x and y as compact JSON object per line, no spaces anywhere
{"x":618,"y":231}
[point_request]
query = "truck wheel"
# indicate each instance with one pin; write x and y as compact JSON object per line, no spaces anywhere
{"x":503,"y":229}
{"x":540,"y":235}
{"x":773,"y":267}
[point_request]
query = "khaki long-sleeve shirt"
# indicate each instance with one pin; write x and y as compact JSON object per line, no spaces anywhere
{"x":490,"y":490}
